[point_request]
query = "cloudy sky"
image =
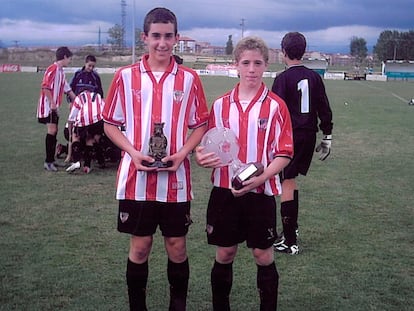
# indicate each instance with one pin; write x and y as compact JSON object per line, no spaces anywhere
{"x":328,"y":24}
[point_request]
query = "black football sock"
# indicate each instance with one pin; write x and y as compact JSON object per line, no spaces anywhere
{"x":99,"y":154}
{"x":76,"y":151}
{"x":88,"y":155}
{"x":50,"y":143}
{"x":221,"y":283}
{"x":296,"y":214}
{"x":64,"y":149}
{"x":267,"y":284}
{"x":178,"y":275}
{"x":137,"y":277}
{"x":288,"y":210}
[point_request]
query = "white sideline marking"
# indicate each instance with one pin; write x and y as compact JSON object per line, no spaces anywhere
{"x":400,"y":98}
{"x":393,"y":94}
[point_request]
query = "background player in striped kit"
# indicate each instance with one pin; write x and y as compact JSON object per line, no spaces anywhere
{"x":84,"y":78}
{"x":53,"y":87}
{"x":88,"y":78}
{"x":156,"y":90}
{"x":261,"y":121}
{"x":86,"y":128}
{"x":304,"y":93}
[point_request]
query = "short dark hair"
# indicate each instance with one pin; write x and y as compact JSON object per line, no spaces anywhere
{"x":294,"y":45}
{"x":160,"y":15}
{"x":90,"y":58}
{"x":63,"y":51}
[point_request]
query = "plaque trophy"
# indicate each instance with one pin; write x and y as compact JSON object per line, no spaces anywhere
{"x":246,"y":172}
{"x":223,"y":142}
{"x":157,"y":148}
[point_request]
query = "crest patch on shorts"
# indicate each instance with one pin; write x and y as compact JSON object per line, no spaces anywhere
{"x":209,"y":229}
{"x":123,"y":216}
{"x":271,"y":233}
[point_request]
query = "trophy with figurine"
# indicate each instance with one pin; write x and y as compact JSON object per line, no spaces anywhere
{"x":158,"y":147}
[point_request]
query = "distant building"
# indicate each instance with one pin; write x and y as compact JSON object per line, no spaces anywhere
{"x":200,"y":46}
{"x":398,"y":69}
{"x":186,"y":45}
{"x":318,"y":65}
{"x":312,"y":55}
{"x":338,"y":59}
{"x":214,"y":50}
{"x":275,"y":56}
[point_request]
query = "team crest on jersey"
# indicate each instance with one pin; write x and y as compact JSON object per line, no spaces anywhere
{"x":262,"y":124}
{"x":178,"y":96}
{"x":123,"y":216}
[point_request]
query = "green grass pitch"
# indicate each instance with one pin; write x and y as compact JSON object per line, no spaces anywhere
{"x":59,"y":248}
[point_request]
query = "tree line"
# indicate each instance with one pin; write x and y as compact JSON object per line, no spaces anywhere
{"x":395,"y":45}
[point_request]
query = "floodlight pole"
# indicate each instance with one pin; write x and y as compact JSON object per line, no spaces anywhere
{"x":395,"y":51}
{"x":242,"y":27}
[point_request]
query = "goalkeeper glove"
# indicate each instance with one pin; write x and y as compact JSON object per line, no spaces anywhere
{"x":324,"y":147}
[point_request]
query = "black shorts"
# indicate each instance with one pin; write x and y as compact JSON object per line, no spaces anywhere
{"x":232,"y":220}
{"x":304,"y":146}
{"x":86,"y":132}
{"x":52,"y":118}
{"x":141,"y":218}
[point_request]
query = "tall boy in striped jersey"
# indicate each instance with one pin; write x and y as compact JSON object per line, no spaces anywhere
{"x":86,"y":128}
{"x":53,"y":87}
{"x":261,"y":121}
{"x":304,"y":93}
{"x":156,"y":90}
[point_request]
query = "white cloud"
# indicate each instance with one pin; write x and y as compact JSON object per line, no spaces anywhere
{"x":28,"y":32}
{"x":335,"y":36}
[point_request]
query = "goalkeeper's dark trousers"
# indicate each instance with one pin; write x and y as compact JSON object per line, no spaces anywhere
{"x":221,"y":282}
{"x":178,"y":275}
{"x":289,"y":211}
{"x":267,"y":284}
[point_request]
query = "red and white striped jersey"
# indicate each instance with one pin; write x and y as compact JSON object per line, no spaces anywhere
{"x":136,"y":100}
{"x":86,"y":109}
{"x":263,"y":129}
{"x":54,"y":79}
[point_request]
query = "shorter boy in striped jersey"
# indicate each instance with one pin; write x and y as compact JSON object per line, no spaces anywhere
{"x":156,"y":90}
{"x":261,"y":122}
{"x":86,"y":129}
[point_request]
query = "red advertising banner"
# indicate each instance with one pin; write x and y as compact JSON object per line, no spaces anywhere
{"x":10,"y":68}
